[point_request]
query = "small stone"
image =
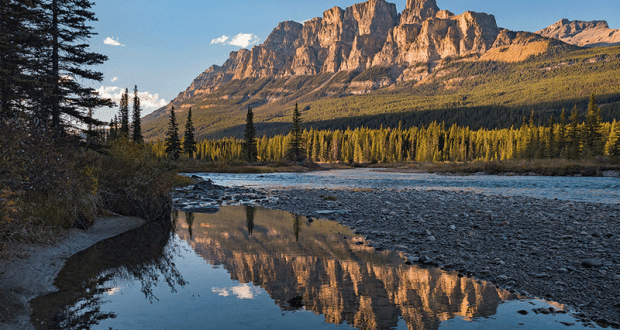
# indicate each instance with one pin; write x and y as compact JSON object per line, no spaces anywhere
{"x":431,"y":238}
{"x":617,"y":278}
{"x":453,"y":227}
{"x":562,"y":270}
{"x":522,"y":312}
{"x":592,"y":263}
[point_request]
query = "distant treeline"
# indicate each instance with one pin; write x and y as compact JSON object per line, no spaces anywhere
{"x":570,"y":138}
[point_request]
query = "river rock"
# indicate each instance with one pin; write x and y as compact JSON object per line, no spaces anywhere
{"x":592,"y":263}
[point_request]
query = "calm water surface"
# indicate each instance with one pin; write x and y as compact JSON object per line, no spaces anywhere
{"x":590,"y":189}
{"x":254,"y":268}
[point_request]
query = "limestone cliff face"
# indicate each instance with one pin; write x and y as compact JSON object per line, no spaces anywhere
{"x":584,"y":34}
{"x":362,"y":36}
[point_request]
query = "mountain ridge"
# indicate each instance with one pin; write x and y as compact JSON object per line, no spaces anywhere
{"x":583,"y":33}
{"x":358,"y":50}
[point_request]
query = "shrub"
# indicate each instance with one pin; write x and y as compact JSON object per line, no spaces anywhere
{"x":134,"y":181}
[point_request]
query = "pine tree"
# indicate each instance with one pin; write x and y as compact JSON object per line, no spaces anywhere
{"x":614,"y":140}
{"x":561,"y":136}
{"x":591,"y":136}
{"x":189,"y":144}
{"x":65,"y":34}
{"x":137,"y":125}
{"x":20,"y":43}
{"x":249,"y":138}
{"x":296,"y":151}
{"x":573,"y":143}
{"x":173,"y":144}
{"x":124,"y":114}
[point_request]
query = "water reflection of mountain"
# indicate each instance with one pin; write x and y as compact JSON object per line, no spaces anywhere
{"x":290,"y":257}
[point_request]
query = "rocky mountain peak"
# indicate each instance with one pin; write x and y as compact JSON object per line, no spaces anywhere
{"x":582,"y":33}
{"x":360,"y":37}
{"x":418,"y":11}
{"x":284,"y":35}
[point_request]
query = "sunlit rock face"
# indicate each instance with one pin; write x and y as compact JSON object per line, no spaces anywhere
{"x":366,"y":35}
{"x":584,"y":34}
{"x":346,"y":282}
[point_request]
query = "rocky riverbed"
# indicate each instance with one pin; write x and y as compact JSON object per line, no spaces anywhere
{"x":568,"y":252}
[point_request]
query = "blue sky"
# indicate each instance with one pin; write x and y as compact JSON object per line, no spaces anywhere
{"x":162,"y":45}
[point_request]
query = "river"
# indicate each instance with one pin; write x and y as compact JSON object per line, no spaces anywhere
{"x":254,"y":268}
{"x":586,"y":189}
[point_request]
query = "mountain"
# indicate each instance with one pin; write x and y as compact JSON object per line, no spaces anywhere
{"x":583,"y":34}
{"x":363,"y":63}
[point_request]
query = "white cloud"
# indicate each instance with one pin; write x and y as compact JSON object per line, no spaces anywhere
{"x":147,"y":99}
{"x":110,"y":41}
{"x":243,"y":291}
{"x":114,"y":79}
{"x":242,"y":40}
{"x":220,"y":40}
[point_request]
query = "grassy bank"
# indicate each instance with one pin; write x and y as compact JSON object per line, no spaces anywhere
{"x":49,"y":184}
{"x":546,"y":167}
{"x":196,"y":166}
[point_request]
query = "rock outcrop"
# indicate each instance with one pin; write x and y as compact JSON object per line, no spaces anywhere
{"x":362,"y":36}
{"x":583,"y":34}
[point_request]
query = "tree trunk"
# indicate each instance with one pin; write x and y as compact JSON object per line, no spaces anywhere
{"x":55,"y":71}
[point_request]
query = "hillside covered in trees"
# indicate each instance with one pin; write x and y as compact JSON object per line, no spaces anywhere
{"x":474,"y":94}
{"x":578,"y":135}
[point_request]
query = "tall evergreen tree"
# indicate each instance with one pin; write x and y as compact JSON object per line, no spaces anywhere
{"x":614,"y":140}
{"x":173,"y":143}
{"x":561,"y":136}
{"x":592,"y":137}
{"x":189,"y":142}
{"x":69,"y":59}
{"x":573,"y":143}
{"x":20,"y":41}
{"x":249,"y":138}
{"x":296,"y":151}
{"x":124,"y":114}
{"x":137,"y":125}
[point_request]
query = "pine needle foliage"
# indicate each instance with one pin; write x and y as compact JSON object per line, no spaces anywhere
{"x":296,"y":151}
{"x":136,"y":122}
{"x":189,"y":142}
{"x":173,"y":143}
{"x":249,"y":138}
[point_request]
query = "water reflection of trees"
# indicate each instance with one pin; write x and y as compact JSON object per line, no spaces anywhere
{"x":329,"y":275}
{"x":144,"y":255}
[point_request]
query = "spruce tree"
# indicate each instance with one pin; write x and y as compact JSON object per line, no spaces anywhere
{"x":137,"y":125}
{"x":124,"y":114}
{"x":296,"y":152}
{"x":173,"y":143}
{"x":573,"y":143}
{"x":20,"y":42}
{"x":561,"y":136}
{"x":614,"y":140}
{"x":189,"y":142}
{"x":249,"y":150}
{"x":65,"y":39}
{"x":591,"y":135}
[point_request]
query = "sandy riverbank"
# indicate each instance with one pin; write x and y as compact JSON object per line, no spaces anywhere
{"x":29,"y":270}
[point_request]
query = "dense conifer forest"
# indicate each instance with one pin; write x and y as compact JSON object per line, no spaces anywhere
{"x":575,"y":135}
